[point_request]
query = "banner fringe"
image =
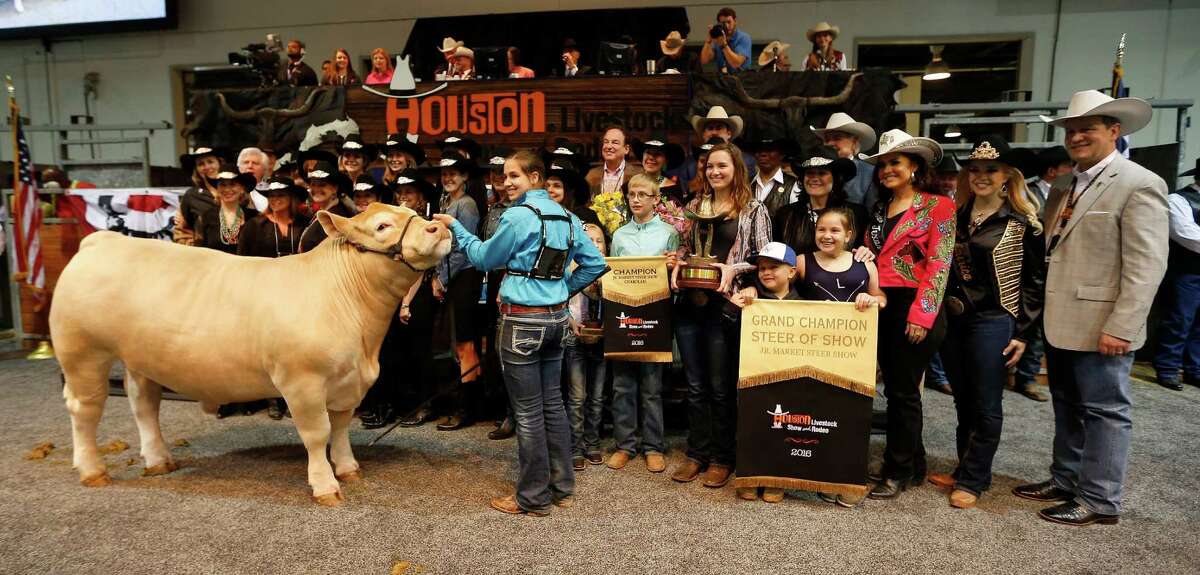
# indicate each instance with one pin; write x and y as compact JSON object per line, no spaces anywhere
{"x":637,"y":301}
{"x":810,"y":372}
{"x":640,"y":356}
{"x":847,"y":489}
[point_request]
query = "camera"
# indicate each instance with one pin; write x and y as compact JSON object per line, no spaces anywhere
{"x":263,"y":58}
{"x":716,"y":31}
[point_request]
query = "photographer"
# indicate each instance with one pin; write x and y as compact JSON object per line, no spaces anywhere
{"x":299,"y":73}
{"x":728,"y":45}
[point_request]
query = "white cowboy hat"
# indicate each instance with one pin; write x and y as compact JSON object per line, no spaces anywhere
{"x":769,"y":52}
{"x":449,"y":45}
{"x":673,"y":44}
{"x":822,"y":27}
{"x":897,"y":140}
{"x":718,"y":114}
{"x":464,"y":51}
{"x":842,"y":122}
{"x":1132,"y":113}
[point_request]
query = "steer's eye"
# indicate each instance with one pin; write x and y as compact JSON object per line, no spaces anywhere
{"x":382,"y":227}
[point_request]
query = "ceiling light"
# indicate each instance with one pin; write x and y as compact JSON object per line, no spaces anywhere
{"x":953,"y":131}
{"x":936,"y":69}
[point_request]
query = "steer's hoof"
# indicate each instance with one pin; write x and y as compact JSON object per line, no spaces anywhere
{"x":329,"y":499}
{"x":351,"y":476}
{"x":99,"y":480}
{"x":160,"y":469}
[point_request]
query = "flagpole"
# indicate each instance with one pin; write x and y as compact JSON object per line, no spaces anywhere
{"x":1118,"y":71}
{"x":18,"y":233}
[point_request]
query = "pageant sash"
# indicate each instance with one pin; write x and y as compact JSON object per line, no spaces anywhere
{"x":806,"y":381}
{"x":637,"y":310}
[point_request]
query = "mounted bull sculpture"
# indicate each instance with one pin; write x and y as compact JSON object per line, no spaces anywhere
{"x":306,"y":327}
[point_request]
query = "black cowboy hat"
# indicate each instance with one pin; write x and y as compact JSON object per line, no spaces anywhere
{"x":658,"y":142}
{"x":354,"y":143}
{"x":413,"y":177}
{"x":366,"y":183}
{"x":230,"y":172}
{"x":568,"y":151}
{"x":575,"y":183}
{"x":1053,"y":156}
{"x":781,"y":143}
{"x":495,"y":160}
{"x":401,"y":143}
{"x":328,"y":171}
{"x":317,"y":154}
{"x":1192,"y":171}
{"x":188,"y":160}
{"x":948,"y":165}
{"x":461,"y":143}
{"x":285,"y":184}
{"x":826,"y":158}
{"x":570,"y":44}
{"x":452,"y":159}
{"x":702,"y":149}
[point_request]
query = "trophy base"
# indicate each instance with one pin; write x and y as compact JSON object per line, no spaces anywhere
{"x":699,"y":276}
{"x":591,"y":332}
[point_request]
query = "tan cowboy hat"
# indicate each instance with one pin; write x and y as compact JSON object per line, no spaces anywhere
{"x":770,"y":50}
{"x":900,"y":141}
{"x":718,"y":114}
{"x":673,"y":44}
{"x":1132,"y":113}
{"x":842,"y":122}
{"x":822,"y":27}
{"x":449,"y":45}
{"x":464,"y":51}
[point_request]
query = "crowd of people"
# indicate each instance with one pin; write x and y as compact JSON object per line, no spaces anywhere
{"x":726,"y":47}
{"x":986,"y":262}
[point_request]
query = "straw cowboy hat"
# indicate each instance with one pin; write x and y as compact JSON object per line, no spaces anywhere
{"x":842,"y":122}
{"x":1132,"y":113}
{"x":822,"y":27}
{"x":673,"y":44}
{"x":771,"y":51}
{"x":464,"y":51}
{"x":718,"y":114}
{"x":893,"y":141}
{"x":449,"y":45}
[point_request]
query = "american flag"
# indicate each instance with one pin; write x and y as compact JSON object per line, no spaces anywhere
{"x":28,"y":217}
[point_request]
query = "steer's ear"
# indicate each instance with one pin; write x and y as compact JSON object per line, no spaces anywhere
{"x":333,"y":224}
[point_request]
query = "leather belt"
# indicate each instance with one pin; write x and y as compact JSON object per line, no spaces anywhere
{"x":517,"y":309}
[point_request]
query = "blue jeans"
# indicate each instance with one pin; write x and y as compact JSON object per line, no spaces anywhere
{"x":974,"y":364}
{"x":1092,"y":425}
{"x":1179,"y":332}
{"x":1030,"y":363}
{"x":936,"y":374}
{"x":637,"y":391}
{"x":585,"y":367}
{"x":531,"y":353}
{"x":709,"y":361}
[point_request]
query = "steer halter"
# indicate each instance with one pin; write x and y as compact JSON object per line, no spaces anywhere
{"x":396,"y":252}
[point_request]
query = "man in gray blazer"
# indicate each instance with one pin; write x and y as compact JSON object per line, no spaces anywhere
{"x":1106,"y":254}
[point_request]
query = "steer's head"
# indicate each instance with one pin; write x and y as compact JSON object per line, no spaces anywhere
{"x":393,"y":231}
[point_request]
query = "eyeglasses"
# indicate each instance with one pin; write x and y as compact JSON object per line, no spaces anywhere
{"x":641,"y":196}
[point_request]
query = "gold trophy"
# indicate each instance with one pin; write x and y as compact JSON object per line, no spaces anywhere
{"x":699,"y":272}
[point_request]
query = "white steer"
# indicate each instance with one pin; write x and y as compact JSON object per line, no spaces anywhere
{"x":221,"y":328}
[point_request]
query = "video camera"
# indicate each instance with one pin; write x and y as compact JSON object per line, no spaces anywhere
{"x":716,"y":31}
{"x":262,"y":58}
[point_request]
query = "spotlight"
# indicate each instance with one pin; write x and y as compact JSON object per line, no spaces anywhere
{"x":937,"y":68}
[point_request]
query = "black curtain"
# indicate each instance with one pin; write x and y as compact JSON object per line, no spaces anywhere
{"x":540,"y":35}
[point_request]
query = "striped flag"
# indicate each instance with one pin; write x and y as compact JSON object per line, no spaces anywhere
{"x":27,"y":215}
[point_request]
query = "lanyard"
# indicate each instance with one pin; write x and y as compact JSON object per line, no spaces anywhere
{"x":1064,"y":217}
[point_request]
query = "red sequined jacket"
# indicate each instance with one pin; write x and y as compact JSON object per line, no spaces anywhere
{"x":917,"y":253}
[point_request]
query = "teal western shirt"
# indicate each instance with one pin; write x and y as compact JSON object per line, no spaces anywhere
{"x":516,"y":242}
{"x":649,"y":239}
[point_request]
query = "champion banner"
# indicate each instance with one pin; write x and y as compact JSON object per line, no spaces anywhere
{"x":805,"y":386}
{"x":637,"y":310}
{"x":135,"y":212}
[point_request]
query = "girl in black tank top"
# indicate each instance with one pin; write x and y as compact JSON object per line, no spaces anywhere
{"x":832,"y":273}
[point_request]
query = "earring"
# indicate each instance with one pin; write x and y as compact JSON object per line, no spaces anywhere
{"x":1004,"y":190}
{"x":912,"y":177}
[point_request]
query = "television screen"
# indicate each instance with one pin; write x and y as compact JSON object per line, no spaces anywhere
{"x":54,"y":18}
{"x":491,"y":62}
{"x":616,"y":59}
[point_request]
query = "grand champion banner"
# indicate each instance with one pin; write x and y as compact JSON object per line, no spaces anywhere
{"x":806,"y":382}
{"x":637,"y":310}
